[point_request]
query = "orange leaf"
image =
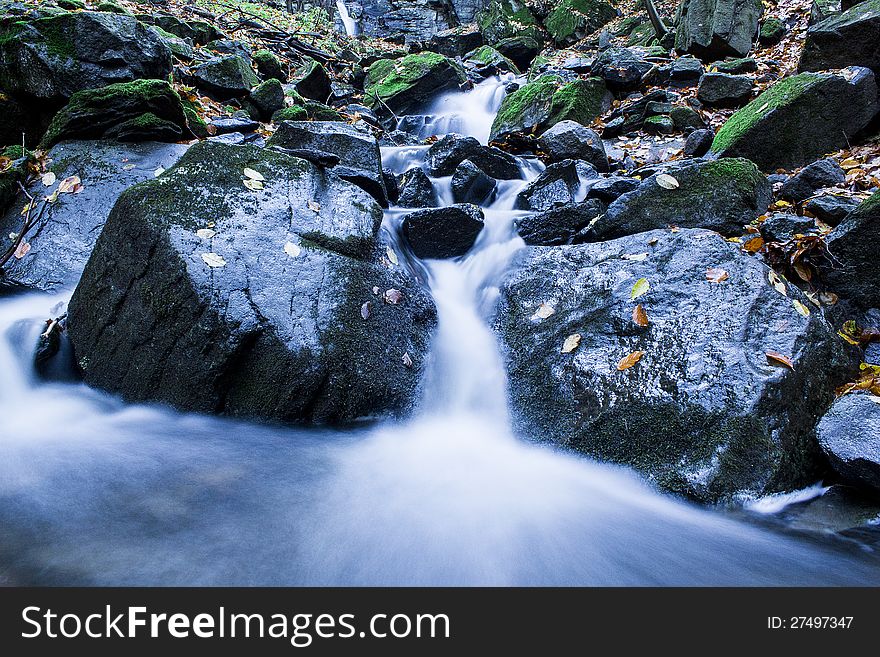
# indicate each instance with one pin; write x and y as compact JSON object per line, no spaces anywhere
{"x":775,"y":358}
{"x":716,"y":275}
{"x":753,"y":245}
{"x":628,"y":361}
{"x":640,"y":317}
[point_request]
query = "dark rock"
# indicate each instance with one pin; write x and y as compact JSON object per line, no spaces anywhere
{"x":822,"y":9}
{"x":848,"y":436}
{"x":443,"y":232}
{"x":231,"y":47}
{"x":800,"y":118}
{"x":658,"y":125}
{"x":847,"y":39}
{"x":321,"y":159}
{"x":622,"y":68}
{"x":830,"y":208}
{"x":781,"y":226}
{"x":404,"y":21}
{"x":703,"y":413}
{"x":143,"y":110}
{"x":558,"y":225}
{"x":685,"y":118}
{"x":572,"y":20}
{"x":853,"y":248}
{"x":541,"y":104}
{"x":14,"y":172}
{"x":609,"y":189}
{"x":698,"y":143}
{"x":559,"y":184}
{"x":391,"y":185}
{"x":360,"y":161}
{"x":61,"y":246}
{"x":17,"y":123}
{"x":456,"y":41}
{"x":53,"y":58}
{"x":223,"y":126}
{"x":398,"y":138}
{"x":813,"y":177}
{"x":199,"y":32}
{"x":313,"y":82}
{"x":490,"y":60}
{"x":268,"y":98}
{"x":261,"y":319}
{"x":502,"y":19}
{"x":685,"y":69}
{"x":471,"y":185}
{"x":444,"y":156}
{"x":224,"y":77}
{"x":736,"y":66}
{"x":568,"y":140}
{"x":720,"y":195}
{"x":230,"y":138}
{"x":416,"y":190}
{"x":724,"y":90}
{"x":772,"y":31}
{"x":521,"y":50}
{"x":711,"y":29}
{"x":269,"y":66}
{"x":631,"y":115}
{"x":406,"y":85}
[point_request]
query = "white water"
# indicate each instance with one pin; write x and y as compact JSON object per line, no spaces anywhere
{"x":351,"y":26}
{"x":98,"y":492}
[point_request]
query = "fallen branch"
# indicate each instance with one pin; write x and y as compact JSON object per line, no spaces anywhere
{"x":29,"y":222}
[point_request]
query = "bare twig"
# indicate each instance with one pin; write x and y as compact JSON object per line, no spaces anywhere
{"x":29,"y":222}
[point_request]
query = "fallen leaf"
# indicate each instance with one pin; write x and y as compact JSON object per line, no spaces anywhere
{"x":291,"y":249}
{"x":571,"y":343}
{"x":543,"y":312}
{"x":653,"y":241}
{"x":128,"y":167}
{"x":365,"y":309}
{"x":314,"y":206}
{"x":828,"y":298}
{"x":849,"y":339}
{"x":48,"y":179}
{"x":376,"y":290}
{"x":407,"y":360}
{"x":804,"y":272}
{"x":213,"y":260}
{"x":666,"y":181}
{"x":253,"y":185}
{"x":753,"y":245}
{"x":640,"y":317}
{"x":775,"y":358}
{"x":776,"y":282}
{"x":22,"y":250}
{"x":158,"y":172}
{"x":641,"y":287}
{"x":716,"y":275}
{"x":628,"y":361}
{"x":68,"y":184}
{"x":850,"y":163}
{"x":392,"y":296}
{"x":27,"y":208}
{"x":801,"y":308}
{"x":637,"y":257}
{"x":392,"y":256}
{"x":205,"y":233}
{"x":52,"y":197}
{"x":253,"y":175}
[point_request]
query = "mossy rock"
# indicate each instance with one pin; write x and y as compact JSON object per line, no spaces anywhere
{"x":224,"y":78}
{"x":269,"y":66}
{"x":572,"y":20}
{"x":850,"y":38}
{"x":143,"y":110}
{"x":406,"y":85}
{"x":267,"y":98}
{"x":179,"y":47}
{"x":321,"y":112}
{"x":312,"y":81}
{"x":509,"y":18}
{"x":772,"y":31}
{"x":113,"y":8}
{"x":198,"y":31}
{"x":800,"y":119}
{"x":195,"y":123}
{"x":684,"y":118}
{"x":539,"y":105}
{"x":71,"y":5}
{"x":488,"y":56}
{"x":293,"y":113}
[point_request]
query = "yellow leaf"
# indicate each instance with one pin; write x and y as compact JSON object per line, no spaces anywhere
{"x":628,"y":361}
{"x":641,"y":287}
{"x":571,"y":343}
{"x":850,"y":163}
{"x":544,"y":311}
{"x":801,"y":308}
{"x":640,"y":317}
{"x":753,"y":245}
{"x":666,"y":181}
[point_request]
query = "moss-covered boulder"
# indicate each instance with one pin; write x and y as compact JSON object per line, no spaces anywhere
{"x":847,"y":39}
{"x":143,"y":110}
{"x":800,"y":119}
{"x":405,"y":85}
{"x":112,"y":8}
{"x":572,"y":20}
{"x":691,"y":400}
{"x":223,"y":78}
{"x":292,"y":113}
{"x":721,"y":195}
{"x":198,"y":31}
{"x":52,"y":58}
{"x":772,"y":31}
{"x":180,"y":48}
{"x":539,"y":105}
{"x":508,"y":18}
{"x":712,"y":29}
{"x":257,"y":303}
{"x":312,"y":81}
{"x":267,"y":98}
{"x":854,"y":269}
{"x":487,"y":56}
{"x":269,"y":66}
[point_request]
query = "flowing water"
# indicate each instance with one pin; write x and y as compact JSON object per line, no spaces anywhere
{"x":95,"y":491}
{"x":350,"y":25}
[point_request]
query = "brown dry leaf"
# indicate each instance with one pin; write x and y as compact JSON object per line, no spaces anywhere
{"x":803,"y":271}
{"x":753,"y":245}
{"x":628,"y":361}
{"x":68,"y":184}
{"x":22,"y":250}
{"x":640,"y":317}
{"x":716,"y":275}
{"x":775,"y":358}
{"x":571,"y":343}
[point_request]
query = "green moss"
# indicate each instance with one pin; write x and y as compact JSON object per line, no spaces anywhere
{"x":321,"y":112}
{"x":779,"y":95}
{"x":269,"y":65}
{"x":581,"y":101}
{"x":488,"y":56}
{"x":56,"y":35}
{"x":387,"y":78}
{"x":573,"y":19}
{"x":295,"y":113}
{"x":71,"y":5}
{"x":195,"y":123}
{"x":508,"y":18}
{"x":772,"y":31}
{"x":16,"y":152}
{"x":113,"y":8}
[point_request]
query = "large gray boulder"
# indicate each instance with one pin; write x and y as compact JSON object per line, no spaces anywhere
{"x":52,"y":58}
{"x":847,"y":39}
{"x":570,"y":140}
{"x":255,"y":300}
{"x":359,"y":159}
{"x":854,"y":268}
{"x":407,"y":85}
{"x":223,"y":78}
{"x":800,"y":119}
{"x":721,"y":195}
{"x":714,"y":29}
{"x":849,"y":434}
{"x":704,"y":412}
{"x":60,"y":246}
{"x":443,"y":232}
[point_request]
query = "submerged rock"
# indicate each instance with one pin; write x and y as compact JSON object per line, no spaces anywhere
{"x":848,"y":436}
{"x":253,"y":302}
{"x":691,"y":400}
{"x":443,"y":232}
{"x":61,"y":245}
{"x":800,"y":118}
